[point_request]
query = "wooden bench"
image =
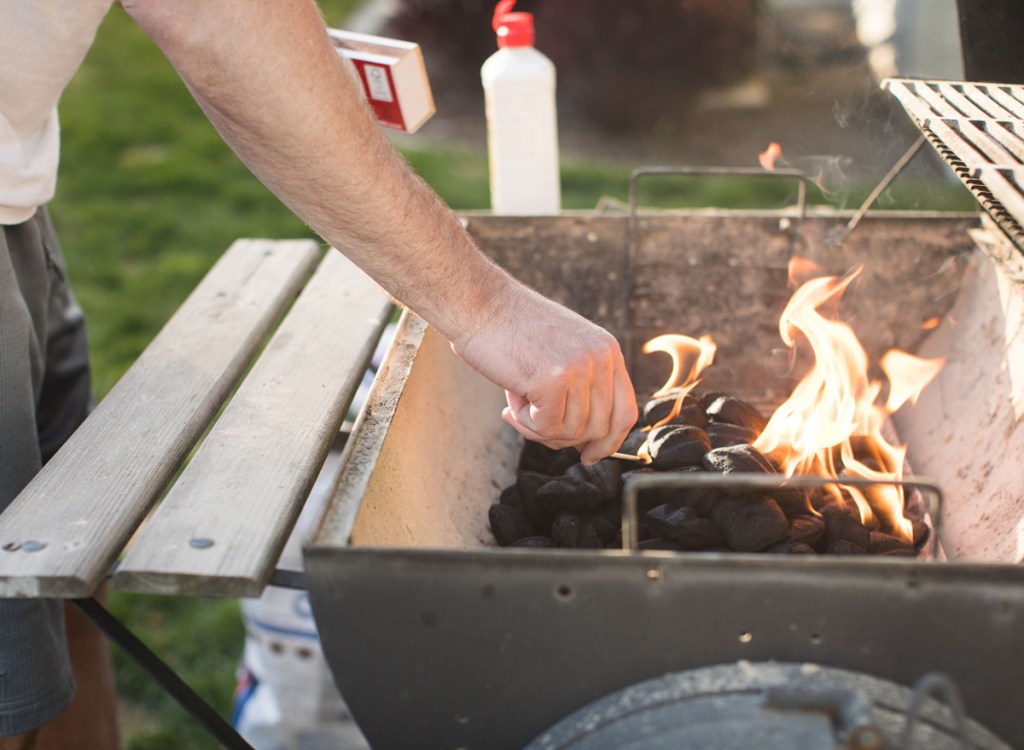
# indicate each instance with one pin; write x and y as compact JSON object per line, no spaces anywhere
{"x":221,"y":525}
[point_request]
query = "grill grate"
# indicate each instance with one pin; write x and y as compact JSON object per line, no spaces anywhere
{"x":978,"y":129}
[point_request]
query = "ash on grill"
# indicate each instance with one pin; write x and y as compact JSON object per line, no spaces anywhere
{"x":558,"y":502}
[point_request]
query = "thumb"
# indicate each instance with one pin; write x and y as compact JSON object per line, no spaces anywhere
{"x":521,"y":410}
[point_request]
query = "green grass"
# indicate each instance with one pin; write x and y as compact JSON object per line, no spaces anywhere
{"x":149,"y":197}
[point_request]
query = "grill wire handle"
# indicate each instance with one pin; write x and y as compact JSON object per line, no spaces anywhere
{"x":937,"y":685}
{"x":682,"y":480}
{"x":634,"y":178}
{"x":632,"y":232}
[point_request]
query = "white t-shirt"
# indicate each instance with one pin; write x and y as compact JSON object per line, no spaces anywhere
{"x":42,"y":43}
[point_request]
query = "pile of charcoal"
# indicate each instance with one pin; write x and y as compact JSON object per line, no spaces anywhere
{"x":558,"y":502}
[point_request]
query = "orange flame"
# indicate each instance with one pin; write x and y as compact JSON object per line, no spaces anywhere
{"x":832,"y":409}
{"x":831,"y":425}
{"x":690,"y":357}
{"x":803,"y":269}
{"x":769,"y":155}
{"x":930,"y":325}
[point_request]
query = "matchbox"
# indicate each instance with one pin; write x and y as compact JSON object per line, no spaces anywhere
{"x":393,"y":77}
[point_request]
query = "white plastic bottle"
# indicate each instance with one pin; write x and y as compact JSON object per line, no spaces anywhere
{"x":522,"y":122}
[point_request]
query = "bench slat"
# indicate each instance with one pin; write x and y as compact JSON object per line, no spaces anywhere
{"x":60,"y":536}
{"x":221,"y":528}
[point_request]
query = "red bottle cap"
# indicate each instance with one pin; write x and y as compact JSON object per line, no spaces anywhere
{"x":513,"y":29}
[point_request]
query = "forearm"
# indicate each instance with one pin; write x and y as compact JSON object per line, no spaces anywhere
{"x":267,"y":76}
{"x":270,"y":81}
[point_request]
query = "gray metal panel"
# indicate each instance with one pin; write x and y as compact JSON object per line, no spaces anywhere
{"x":486,"y":649}
{"x":726,"y":274}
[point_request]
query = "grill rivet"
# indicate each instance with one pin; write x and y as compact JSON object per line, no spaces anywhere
{"x":200,"y":542}
{"x":32,"y":545}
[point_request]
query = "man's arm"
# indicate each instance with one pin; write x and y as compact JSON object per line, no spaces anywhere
{"x":270,"y":81}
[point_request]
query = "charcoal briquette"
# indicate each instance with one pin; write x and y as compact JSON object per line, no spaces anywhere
{"x":536,"y":457}
{"x":534,"y":541}
{"x":633,"y":442}
{"x":605,"y":528}
{"x":657,"y":409}
{"x":806,"y":530}
{"x":606,"y":475}
{"x":690,"y":411}
{"x":682,"y":525}
{"x":610,"y":510}
{"x":736,"y":459}
{"x":676,"y":446}
{"x":650,"y":497}
{"x":510,"y":496}
{"x":572,"y":531}
{"x":902,"y":552}
{"x":845,"y":547}
{"x":842,"y":523}
{"x":509,"y":524}
{"x":881,"y":543}
{"x":563,"y":459}
{"x":527,"y":484}
{"x":750,"y":523}
{"x":734,"y":411}
{"x":722,"y":434}
{"x":791,"y":548}
{"x":793,"y":500}
{"x":568,"y":494}
{"x":657,"y":543}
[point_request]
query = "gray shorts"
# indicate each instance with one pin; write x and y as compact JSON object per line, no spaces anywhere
{"x":44,"y":395}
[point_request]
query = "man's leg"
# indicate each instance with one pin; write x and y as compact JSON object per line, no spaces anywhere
{"x":35,"y":309}
{"x":91,"y":721}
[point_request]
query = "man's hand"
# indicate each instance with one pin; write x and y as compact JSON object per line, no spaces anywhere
{"x":564,"y":377}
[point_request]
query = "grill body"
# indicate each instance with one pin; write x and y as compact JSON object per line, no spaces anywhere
{"x":439,"y":639}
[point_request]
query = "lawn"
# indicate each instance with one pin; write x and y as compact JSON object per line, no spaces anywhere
{"x":148,"y":198}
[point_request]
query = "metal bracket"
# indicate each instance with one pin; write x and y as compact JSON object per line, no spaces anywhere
{"x":166,"y":677}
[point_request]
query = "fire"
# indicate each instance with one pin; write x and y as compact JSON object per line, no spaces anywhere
{"x":832,"y":424}
{"x":769,"y":155}
{"x":690,"y":357}
{"x":834,"y":408}
{"x":802,"y":269}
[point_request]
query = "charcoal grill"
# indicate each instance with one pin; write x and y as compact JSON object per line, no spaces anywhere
{"x":440,"y":639}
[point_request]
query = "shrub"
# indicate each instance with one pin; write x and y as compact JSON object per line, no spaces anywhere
{"x":620,"y":64}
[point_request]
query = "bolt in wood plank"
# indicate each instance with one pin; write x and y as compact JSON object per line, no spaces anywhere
{"x":221,"y":528}
{"x":60,"y":536}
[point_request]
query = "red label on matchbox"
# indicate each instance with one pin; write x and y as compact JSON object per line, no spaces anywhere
{"x":392,"y":75}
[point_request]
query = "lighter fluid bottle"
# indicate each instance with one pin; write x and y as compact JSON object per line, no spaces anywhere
{"x":522,"y":126}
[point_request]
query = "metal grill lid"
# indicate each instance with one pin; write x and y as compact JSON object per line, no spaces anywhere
{"x":978,"y":129}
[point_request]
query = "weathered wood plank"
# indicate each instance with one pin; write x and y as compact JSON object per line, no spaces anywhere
{"x":221,"y":528}
{"x":62,"y":533}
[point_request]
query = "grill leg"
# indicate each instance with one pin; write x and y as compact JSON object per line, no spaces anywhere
{"x":158,"y":669}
